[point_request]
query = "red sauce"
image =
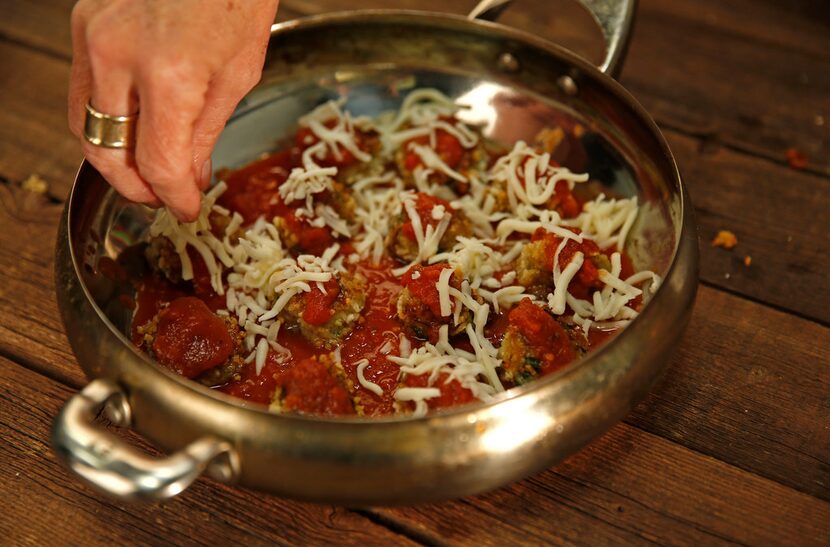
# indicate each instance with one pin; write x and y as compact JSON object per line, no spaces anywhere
{"x":190,"y":338}
{"x":447,"y":146}
{"x":318,"y":304}
{"x":452,"y":393}
{"x":252,"y":190}
{"x":544,"y":335}
{"x":380,"y":329}
{"x":421,"y":280}
{"x":308,"y":387}
{"x":587,"y":278}
{"x":151,"y":293}
{"x":424,"y":203}
{"x":259,"y":388}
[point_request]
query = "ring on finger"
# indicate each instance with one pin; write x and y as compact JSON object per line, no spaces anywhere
{"x":108,"y":131}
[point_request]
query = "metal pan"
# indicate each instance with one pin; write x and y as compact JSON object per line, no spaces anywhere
{"x":516,"y":84}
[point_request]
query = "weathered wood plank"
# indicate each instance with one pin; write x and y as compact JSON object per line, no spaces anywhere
{"x":43,"y":25}
{"x":779,"y":216}
{"x":707,"y":77}
{"x":749,"y":386}
{"x":799,"y":25}
{"x":34,"y":136}
{"x":754,"y":75}
{"x":43,"y":504}
{"x":30,"y":328}
{"x":630,"y":487}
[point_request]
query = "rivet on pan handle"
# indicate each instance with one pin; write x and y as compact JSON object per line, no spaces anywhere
{"x":614,"y":17}
{"x":109,"y":464}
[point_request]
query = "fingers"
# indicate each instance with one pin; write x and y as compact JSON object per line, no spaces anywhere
{"x":106,"y":82}
{"x":172,"y":97}
{"x":118,"y":168}
{"x":224,"y":94}
{"x":80,"y":79}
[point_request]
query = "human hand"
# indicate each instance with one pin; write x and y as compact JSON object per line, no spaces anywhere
{"x":185,"y":64}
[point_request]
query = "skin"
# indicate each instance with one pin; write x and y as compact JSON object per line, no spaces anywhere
{"x":184,"y":65}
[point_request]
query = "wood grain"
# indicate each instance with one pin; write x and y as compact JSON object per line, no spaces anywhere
{"x":707,"y":78}
{"x":630,"y":487}
{"x":749,"y":386}
{"x":34,"y":137}
{"x":779,"y":216}
{"x":761,"y":70}
{"x":44,"y":503}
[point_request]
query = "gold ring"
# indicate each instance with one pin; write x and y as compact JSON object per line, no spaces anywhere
{"x":109,"y":131}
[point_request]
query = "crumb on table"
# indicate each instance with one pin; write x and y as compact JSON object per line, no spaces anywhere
{"x":34,"y":183}
{"x":725,"y":239}
{"x":796,"y":159}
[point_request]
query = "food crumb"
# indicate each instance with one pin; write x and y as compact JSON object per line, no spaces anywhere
{"x":796,"y":159}
{"x":747,"y":261}
{"x":34,"y":183}
{"x":725,"y":239}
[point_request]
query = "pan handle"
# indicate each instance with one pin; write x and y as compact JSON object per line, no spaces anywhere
{"x":107,"y":463}
{"x":614,"y":17}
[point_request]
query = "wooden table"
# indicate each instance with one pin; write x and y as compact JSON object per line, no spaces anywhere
{"x":733,"y":446}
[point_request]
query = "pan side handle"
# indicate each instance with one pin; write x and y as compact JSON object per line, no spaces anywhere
{"x":614,"y":17}
{"x":109,"y":464}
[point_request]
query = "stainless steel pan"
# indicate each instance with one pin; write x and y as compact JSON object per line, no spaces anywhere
{"x":516,"y":84}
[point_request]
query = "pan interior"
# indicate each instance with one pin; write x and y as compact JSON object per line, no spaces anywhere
{"x":267,"y":120}
{"x":608,"y":135}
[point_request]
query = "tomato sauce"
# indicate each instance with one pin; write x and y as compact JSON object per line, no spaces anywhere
{"x":544,"y":335}
{"x":377,"y":336}
{"x":191,"y":339}
{"x":447,"y":146}
{"x":424,"y":204}
{"x":318,"y":304}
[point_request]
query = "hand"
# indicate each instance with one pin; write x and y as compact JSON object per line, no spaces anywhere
{"x":185,"y":65}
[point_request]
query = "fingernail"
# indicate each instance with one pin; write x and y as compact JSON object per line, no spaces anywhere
{"x":184,"y":216}
{"x":206,"y":175}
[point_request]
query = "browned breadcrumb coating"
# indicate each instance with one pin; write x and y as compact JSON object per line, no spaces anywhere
{"x":163,"y":258}
{"x":420,"y":320}
{"x":162,"y":255}
{"x":532,"y":271}
{"x":360,"y":170}
{"x":220,"y":375}
{"x":339,"y":373}
{"x":473,"y":161}
{"x":347,"y":308}
{"x":344,"y":202}
{"x":517,"y":366}
{"x":406,"y":249}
